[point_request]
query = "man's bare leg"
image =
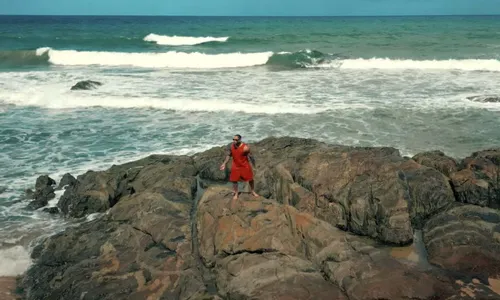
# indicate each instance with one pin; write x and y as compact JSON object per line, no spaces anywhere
{"x":252,"y":191}
{"x":235,"y":190}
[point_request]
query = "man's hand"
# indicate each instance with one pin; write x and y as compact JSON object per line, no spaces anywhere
{"x":226,"y":160}
{"x":246,"y":150}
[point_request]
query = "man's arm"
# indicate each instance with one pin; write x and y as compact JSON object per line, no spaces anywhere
{"x":246,"y":149}
{"x":228,"y":156}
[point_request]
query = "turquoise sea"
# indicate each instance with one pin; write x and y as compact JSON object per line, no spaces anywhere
{"x":184,"y":84}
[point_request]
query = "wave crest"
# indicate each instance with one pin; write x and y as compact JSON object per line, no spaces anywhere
{"x":302,"y":59}
{"x":181,"y":40}
{"x":198,"y":60}
{"x":26,"y":58}
{"x":171,"y":59}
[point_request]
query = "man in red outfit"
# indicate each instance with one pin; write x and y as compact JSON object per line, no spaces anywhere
{"x":241,"y":168}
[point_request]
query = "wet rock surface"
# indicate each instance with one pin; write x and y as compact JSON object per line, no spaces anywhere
{"x":86,"y":85}
{"x":326,"y":226}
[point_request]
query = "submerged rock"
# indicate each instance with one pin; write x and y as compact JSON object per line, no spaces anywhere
{"x":86,"y":85}
{"x":485,"y":98}
{"x":51,"y":210}
{"x":44,"y":191}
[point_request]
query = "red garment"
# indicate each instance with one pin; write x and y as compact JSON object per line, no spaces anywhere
{"x":241,"y":168}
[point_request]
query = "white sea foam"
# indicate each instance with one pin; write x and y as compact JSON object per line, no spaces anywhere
{"x":53,"y":202}
{"x":58,"y":97}
{"x":181,"y":40}
{"x":171,"y":59}
{"x":14,"y":261}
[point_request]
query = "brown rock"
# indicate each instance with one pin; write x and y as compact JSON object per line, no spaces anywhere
{"x":93,"y":192}
{"x":437,"y":160}
{"x":208,"y":164}
{"x":254,"y":244}
{"x":369,"y":191}
{"x":141,"y":250}
{"x":272,"y":276}
{"x":478,"y":182}
{"x":99,"y":191}
{"x":157,"y":242}
{"x":465,"y":239}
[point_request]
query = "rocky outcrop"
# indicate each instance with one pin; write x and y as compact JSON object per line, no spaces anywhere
{"x":86,"y":85}
{"x":485,"y":98}
{"x":369,"y":191}
{"x":478,"y":181}
{"x":465,"y":239}
{"x":98,"y":191}
{"x":66,"y":181}
{"x":437,"y":160}
{"x":261,"y":249}
{"x":325,"y":227}
{"x":141,"y":250}
{"x":44,"y":191}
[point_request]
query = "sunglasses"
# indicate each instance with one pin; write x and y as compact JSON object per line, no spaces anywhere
{"x":235,"y":140}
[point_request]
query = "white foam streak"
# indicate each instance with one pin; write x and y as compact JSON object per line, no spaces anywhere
{"x":181,"y":40}
{"x":406,"y":64}
{"x":171,"y":59}
{"x":14,"y":261}
{"x":55,"y":200}
{"x":53,"y":101}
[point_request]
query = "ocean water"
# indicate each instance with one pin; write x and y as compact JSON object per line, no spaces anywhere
{"x":184,"y":84}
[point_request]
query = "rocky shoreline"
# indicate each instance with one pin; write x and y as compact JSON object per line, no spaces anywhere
{"x":332,"y":222}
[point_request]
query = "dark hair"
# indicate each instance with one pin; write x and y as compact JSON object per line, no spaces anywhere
{"x":239,"y":136}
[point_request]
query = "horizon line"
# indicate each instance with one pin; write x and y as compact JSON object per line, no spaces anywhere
{"x":252,"y":16}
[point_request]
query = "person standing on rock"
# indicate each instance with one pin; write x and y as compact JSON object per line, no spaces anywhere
{"x":241,"y":170}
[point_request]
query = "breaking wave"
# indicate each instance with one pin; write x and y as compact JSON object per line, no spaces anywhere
{"x":19,"y":58}
{"x":199,"y":60}
{"x":181,"y":40}
{"x":171,"y":59}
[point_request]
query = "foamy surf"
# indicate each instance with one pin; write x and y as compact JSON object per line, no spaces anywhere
{"x":14,"y":261}
{"x":181,"y":40}
{"x":57,"y":99}
{"x":171,"y":59}
{"x":408,"y":64}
